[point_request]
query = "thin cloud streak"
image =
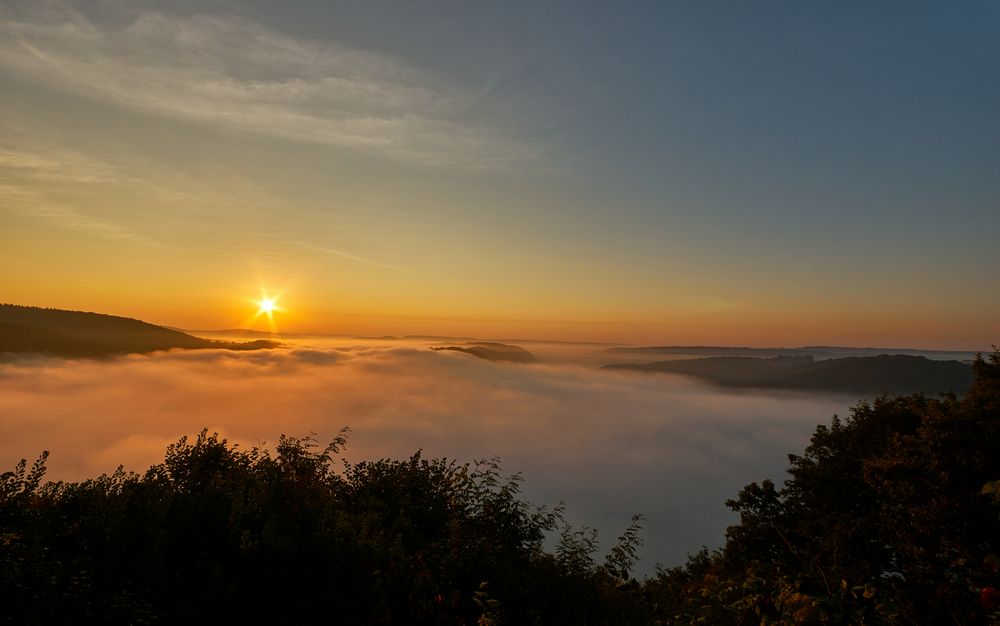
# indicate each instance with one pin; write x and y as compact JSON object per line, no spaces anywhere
{"x":53,"y":166}
{"x":346,"y":255}
{"x":70,"y":218}
{"x":609,"y":444}
{"x":236,"y":73}
{"x":29,"y":177}
{"x":24,"y":201}
{"x":64,"y":187}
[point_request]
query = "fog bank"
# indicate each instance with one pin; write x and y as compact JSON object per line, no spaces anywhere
{"x":609,"y":444}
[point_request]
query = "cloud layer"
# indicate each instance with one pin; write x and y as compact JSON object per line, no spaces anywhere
{"x":609,"y":444}
{"x":228,"y":71}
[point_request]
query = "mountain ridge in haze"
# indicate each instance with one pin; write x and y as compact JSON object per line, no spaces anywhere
{"x":817,"y":352}
{"x":871,"y":375}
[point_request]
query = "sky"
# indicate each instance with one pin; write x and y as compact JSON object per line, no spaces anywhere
{"x":770,"y":173}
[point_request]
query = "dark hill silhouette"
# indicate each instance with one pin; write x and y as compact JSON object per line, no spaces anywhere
{"x":25,"y":338}
{"x":876,"y":375}
{"x":492,"y":351}
{"x":26,"y":329}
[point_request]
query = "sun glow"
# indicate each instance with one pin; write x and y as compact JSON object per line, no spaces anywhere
{"x":267,"y":306}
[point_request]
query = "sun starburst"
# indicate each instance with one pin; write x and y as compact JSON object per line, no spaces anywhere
{"x":267,"y":306}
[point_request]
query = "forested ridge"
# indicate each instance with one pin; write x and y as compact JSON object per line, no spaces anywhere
{"x":889,"y":516}
{"x":81,"y":334}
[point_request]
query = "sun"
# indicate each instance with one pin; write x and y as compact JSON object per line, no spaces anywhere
{"x":267,"y":305}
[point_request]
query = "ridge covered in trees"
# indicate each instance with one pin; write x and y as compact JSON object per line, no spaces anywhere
{"x":37,"y":330}
{"x":889,"y":516}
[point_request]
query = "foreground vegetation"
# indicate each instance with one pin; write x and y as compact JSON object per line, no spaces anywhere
{"x":888,"y":517}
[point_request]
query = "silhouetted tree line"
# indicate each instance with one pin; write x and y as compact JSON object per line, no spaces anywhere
{"x":888,"y":517}
{"x":219,"y":534}
{"x":10,"y":306}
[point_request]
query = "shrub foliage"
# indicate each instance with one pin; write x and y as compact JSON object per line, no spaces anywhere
{"x":888,"y":517}
{"x":215,"y":533}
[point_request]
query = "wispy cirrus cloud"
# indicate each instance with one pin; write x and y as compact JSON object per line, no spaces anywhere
{"x":43,"y":179}
{"x":30,"y":180}
{"x":52,"y":166}
{"x":232,"y":72}
{"x":58,"y":185}
{"x":327,"y":250}
{"x":71,"y":218}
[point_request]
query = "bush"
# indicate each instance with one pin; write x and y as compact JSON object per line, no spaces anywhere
{"x":215,"y":533}
{"x":888,"y":517}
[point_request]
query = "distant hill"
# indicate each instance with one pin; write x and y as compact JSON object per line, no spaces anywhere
{"x":874,"y":375}
{"x":492,"y":351}
{"x":27,"y":329}
{"x":817,"y":352}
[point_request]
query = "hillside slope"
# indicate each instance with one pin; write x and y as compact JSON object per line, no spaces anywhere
{"x":26,"y":329}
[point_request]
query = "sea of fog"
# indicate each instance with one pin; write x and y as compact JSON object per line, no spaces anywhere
{"x":607,"y":443}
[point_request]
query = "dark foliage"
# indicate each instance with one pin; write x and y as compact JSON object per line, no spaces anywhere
{"x":889,"y":517}
{"x":217,"y":534}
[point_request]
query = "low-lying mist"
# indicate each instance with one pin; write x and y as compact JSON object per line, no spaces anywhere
{"x":608,"y":443}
